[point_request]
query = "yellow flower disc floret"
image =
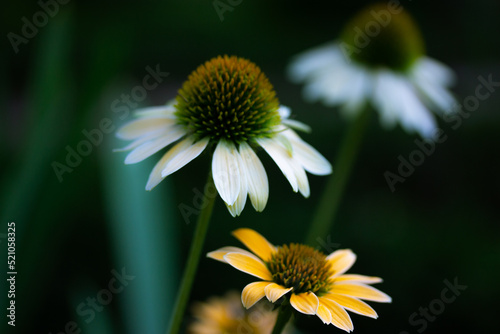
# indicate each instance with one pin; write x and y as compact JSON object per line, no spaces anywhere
{"x":300,"y":267}
{"x":380,"y":36}
{"x":228,"y":98}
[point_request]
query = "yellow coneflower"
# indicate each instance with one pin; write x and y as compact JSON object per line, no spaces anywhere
{"x":314,"y":283}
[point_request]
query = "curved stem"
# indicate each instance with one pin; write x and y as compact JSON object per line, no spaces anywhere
{"x":325,"y":213}
{"x":284,"y":315}
{"x":193,"y":258}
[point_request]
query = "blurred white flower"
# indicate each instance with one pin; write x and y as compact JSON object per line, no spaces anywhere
{"x":379,"y":59}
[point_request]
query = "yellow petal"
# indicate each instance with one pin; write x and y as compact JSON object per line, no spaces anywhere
{"x":361,"y":291}
{"x":341,"y":260}
{"x":255,"y":242}
{"x":353,"y":304}
{"x":340,"y":318}
{"x":249,"y":264}
{"x":219,"y":253}
{"x":275,"y":291}
{"x":324,"y":314}
{"x":358,"y":279}
{"x":252,"y":293}
{"x":306,"y":302}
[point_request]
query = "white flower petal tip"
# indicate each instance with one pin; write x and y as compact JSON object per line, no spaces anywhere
{"x":226,"y":171}
{"x":282,"y":158}
{"x":308,"y":156}
{"x":185,"y":156}
{"x":297,"y":125}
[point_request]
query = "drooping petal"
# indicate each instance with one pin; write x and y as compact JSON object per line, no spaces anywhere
{"x":252,"y":293}
{"x":434,"y":71}
{"x":282,"y":158}
{"x":226,"y":172}
{"x":237,"y":207}
{"x":397,"y":100}
{"x":358,"y":278}
{"x":219,"y":253}
{"x":183,"y":157}
{"x":324,"y":314}
{"x":301,"y":176}
{"x":353,"y":304}
{"x":255,"y":242}
{"x":249,"y":264}
{"x":297,"y":125}
{"x":308,"y":156}
{"x":341,"y":260}
{"x":311,"y":62}
{"x":436,"y":94}
{"x":143,"y":126}
{"x":151,"y":147}
{"x":258,"y":185}
{"x":340,"y":318}
{"x":163,"y":111}
{"x":141,"y":140}
{"x":306,"y":302}
{"x":362,"y":291}
{"x":156,"y":174}
{"x":275,"y":291}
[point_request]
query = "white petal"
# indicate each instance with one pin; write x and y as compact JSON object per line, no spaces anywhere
{"x":155,"y":177}
{"x":306,"y":64}
{"x":225,"y":171}
{"x":301,"y":176}
{"x":396,"y":99}
{"x":432,"y":79}
{"x":361,"y":85}
{"x":434,"y":71}
{"x":296,"y":125}
{"x":149,"y":148}
{"x":140,"y":141}
{"x":183,"y":157}
{"x":308,"y":156}
{"x":238,"y":206}
{"x":143,"y":126}
{"x":258,"y":185}
{"x":282,"y":158}
{"x":166,"y":110}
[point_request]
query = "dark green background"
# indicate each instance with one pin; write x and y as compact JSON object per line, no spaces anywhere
{"x":440,"y":224}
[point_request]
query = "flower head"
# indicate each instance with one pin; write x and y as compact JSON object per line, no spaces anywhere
{"x":227,"y":103}
{"x":378,"y":59}
{"x":314,"y":282}
{"x":227,"y":315}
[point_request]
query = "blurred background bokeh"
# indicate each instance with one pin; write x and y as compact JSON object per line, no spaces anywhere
{"x":79,"y":232}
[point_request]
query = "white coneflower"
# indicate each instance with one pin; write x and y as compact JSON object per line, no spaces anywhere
{"x":230,"y":103}
{"x":379,"y":59}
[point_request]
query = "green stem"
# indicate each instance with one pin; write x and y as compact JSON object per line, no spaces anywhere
{"x":193,"y":259}
{"x":284,"y":315}
{"x":324,"y":217}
